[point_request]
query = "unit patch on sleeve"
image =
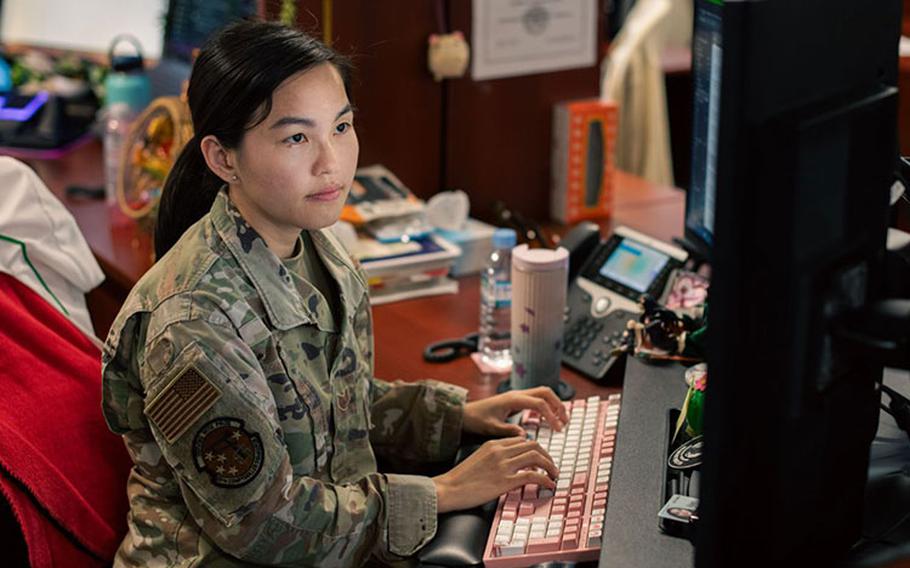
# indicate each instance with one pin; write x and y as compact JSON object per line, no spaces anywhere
{"x":227,"y":452}
{"x":181,"y":403}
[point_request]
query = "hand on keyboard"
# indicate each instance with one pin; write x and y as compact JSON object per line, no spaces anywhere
{"x":495,"y":468}
{"x":488,"y":416}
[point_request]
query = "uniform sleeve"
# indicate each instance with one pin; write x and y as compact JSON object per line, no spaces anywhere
{"x":210,"y":411}
{"x":412,"y":422}
{"x":417,"y":422}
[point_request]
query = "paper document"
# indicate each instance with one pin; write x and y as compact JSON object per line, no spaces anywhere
{"x":522,"y":37}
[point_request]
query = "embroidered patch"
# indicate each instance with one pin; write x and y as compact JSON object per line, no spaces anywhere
{"x":181,"y":403}
{"x":227,"y":452}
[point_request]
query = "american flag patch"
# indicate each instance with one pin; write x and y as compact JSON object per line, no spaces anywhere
{"x":181,"y":403}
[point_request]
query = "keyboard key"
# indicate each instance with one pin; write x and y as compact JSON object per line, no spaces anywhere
{"x":543,"y":545}
{"x":579,"y":480}
{"x":569,"y":541}
{"x":513,"y":549}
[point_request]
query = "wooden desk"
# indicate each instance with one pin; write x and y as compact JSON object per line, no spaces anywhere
{"x":402,"y":329}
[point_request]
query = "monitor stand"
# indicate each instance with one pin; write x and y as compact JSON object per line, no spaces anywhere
{"x":631,"y":533}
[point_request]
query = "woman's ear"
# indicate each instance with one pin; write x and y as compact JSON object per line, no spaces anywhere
{"x":219,"y":159}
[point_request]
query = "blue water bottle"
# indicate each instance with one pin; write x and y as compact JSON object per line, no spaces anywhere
{"x":127,"y":82}
{"x":6,"y":76}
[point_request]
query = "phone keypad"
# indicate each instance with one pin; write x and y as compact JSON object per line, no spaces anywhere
{"x":589,"y":342}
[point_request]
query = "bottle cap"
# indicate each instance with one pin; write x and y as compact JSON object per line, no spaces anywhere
{"x":504,"y":238}
{"x":539,"y":260}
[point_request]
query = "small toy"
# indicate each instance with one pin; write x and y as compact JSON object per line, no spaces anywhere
{"x":661,"y":334}
{"x":448,"y":55}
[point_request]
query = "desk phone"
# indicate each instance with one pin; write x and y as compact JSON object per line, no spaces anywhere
{"x":604,"y":296}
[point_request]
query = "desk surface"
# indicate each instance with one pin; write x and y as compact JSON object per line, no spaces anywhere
{"x":402,"y":328}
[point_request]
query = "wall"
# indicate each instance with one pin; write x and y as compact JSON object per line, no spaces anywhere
{"x":85,"y":25}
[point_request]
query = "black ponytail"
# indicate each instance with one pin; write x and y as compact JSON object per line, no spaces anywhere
{"x":230,"y":92}
{"x":178,"y":210}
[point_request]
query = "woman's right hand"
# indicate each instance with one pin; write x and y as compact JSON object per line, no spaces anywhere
{"x":496,"y":467}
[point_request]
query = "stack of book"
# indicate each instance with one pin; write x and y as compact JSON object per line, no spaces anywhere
{"x":398,"y":271}
{"x":400,"y":254}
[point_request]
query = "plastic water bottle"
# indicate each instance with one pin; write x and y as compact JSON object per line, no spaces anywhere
{"x":127,"y":92}
{"x":117,"y":119}
{"x":496,"y":302}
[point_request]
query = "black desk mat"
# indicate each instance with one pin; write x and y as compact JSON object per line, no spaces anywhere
{"x":631,"y":533}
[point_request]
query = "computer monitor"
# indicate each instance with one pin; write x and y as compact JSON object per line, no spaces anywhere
{"x":189,"y":23}
{"x":806,"y":145}
{"x":187,"y":26}
{"x":706,"y":83}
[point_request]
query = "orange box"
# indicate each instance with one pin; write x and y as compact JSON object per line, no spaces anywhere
{"x":584,"y":138}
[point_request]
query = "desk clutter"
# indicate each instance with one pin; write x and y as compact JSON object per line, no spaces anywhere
{"x":47,"y":104}
{"x":534,"y":525}
{"x":681,"y":482}
{"x":384,"y":226}
{"x":407,"y":247}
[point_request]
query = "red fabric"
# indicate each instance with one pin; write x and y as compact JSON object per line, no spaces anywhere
{"x":63,"y":472}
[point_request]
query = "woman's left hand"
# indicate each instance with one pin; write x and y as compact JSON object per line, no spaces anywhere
{"x":488,"y":416}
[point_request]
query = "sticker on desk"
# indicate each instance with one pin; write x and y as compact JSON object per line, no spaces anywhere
{"x":488,"y":369}
{"x":680,"y":509}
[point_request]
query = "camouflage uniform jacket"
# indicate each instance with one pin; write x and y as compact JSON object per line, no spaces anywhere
{"x":249,"y":445}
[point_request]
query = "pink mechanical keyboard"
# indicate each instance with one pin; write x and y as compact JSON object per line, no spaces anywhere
{"x":534,"y":525}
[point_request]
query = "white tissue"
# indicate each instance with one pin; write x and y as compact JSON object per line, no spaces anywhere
{"x":448,"y":210}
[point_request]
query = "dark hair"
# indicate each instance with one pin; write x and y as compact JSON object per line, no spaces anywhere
{"x":230,"y":92}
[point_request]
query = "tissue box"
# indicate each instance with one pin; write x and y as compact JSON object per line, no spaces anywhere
{"x":476,"y":243}
{"x":584,"y":136}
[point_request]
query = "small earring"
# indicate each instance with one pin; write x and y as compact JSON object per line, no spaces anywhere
{"x":234,"y":177}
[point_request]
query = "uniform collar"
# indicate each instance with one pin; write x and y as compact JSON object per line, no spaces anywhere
{"x":341,"y":267}
{"x":283,"y":304}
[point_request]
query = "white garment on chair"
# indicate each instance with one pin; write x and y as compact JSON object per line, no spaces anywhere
{"x":41,"y":245}
{"x":633,"y":77}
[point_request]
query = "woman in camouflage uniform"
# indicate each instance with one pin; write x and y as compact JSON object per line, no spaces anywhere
{"x":239,"y":370}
